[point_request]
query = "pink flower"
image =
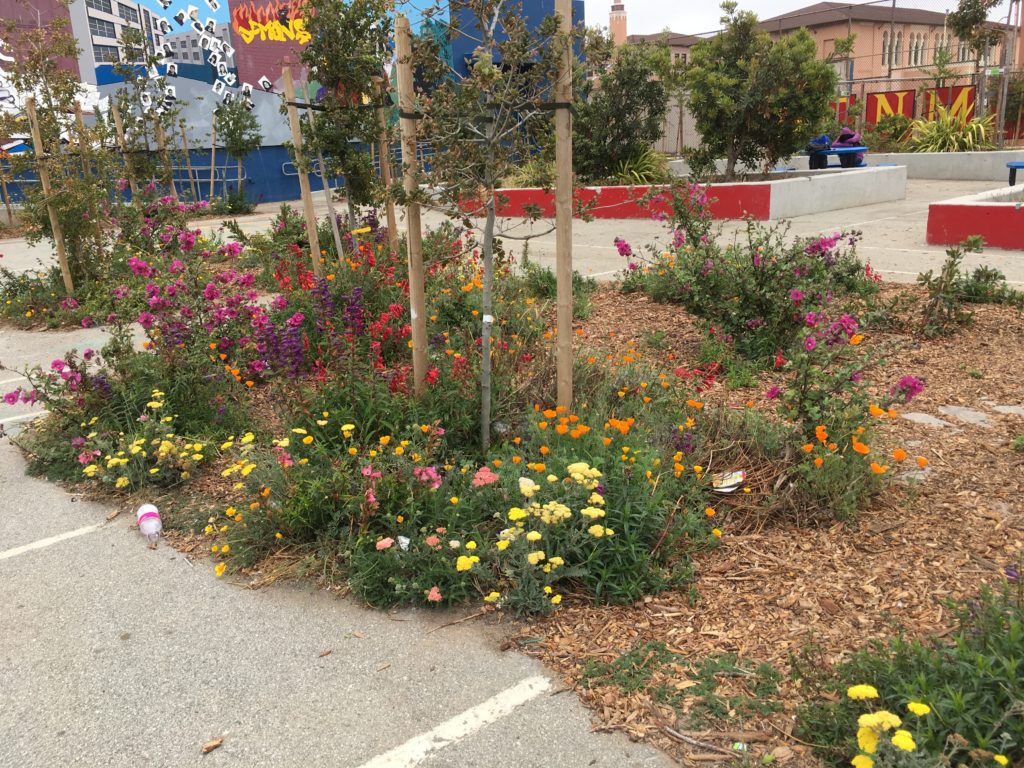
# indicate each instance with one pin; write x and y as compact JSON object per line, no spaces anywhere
{"x":434,"y":595}
{"x":484,"y":476}
{"x":432,"y":541}
{"x":387,"y":544}
{"x":11,"y":398}
{"x":810,"y":343}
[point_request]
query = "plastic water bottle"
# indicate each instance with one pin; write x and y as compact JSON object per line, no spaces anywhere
{"x":149,"y":522}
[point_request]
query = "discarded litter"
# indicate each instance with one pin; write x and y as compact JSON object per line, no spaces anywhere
{"x":727,"y":482}
{"x":149,"y":523}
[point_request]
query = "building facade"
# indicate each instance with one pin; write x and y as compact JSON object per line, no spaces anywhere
{"x":99,"y":26}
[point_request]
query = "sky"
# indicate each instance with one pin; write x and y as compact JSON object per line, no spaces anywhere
{"x":693,"y":17}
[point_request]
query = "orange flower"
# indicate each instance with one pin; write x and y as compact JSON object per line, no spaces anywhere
{"x":550,"y":413}
{"x":542,"y":425}
{"x":497,"y":463}
{"x":606,"y":440}
{"x":856,"y":339}
{"x":818,"y":462}
{"x":517,"y":459}
{"x":832,"y":446}
{"x":875,"y":410}
{"x":561,"y":429}
{"x":821,"y":433}
{"x":899,"y":454}
{"x":892,"y":413}
{"x":877,"y":468}
{"x":922,"y":462}
{"x":544,"y":450}
{"x":695,"y":404}
{"x":860,"y":447}
{"x":807,"y":448}
{"x":709,"y":512}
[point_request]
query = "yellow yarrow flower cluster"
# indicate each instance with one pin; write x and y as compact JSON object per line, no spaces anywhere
{"x":583,"y":474}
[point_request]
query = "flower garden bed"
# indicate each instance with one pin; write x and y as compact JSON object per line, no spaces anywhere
{"x":996,"y":215}
{"x":792,"y":195}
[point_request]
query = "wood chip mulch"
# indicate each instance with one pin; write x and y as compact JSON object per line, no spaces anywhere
{"x":766,"y":595}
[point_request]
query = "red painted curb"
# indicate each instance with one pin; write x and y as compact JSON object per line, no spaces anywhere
{"x":732,"y":201}
{"x":1000,"y":224}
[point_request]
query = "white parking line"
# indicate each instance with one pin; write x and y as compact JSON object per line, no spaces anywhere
{"x":459,"y":727}
{"x":43,"y":543}
{"x":11,"y":381}
{"x":24,"y":417}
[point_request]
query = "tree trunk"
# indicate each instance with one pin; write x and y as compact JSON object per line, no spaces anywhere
{"x":730,"y":162}
{"x":351,"y":211}
{"x":239,"y":176}
{"x":488,"y":321}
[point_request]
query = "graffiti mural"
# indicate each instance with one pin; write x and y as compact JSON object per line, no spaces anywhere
{"x":277,"y":22}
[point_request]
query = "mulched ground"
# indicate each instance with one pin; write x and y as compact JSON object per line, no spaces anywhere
{"x":767,"y":594}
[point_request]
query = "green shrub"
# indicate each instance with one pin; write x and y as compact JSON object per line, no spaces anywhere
{"x":971,"y":681}
{"x":948,"y":132}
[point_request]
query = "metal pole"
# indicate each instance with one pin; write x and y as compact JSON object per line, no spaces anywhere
{"x":414,"y":243}
{"x":563,"y":208}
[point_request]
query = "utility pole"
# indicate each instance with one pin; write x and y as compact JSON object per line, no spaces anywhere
{"x":563,"y":208}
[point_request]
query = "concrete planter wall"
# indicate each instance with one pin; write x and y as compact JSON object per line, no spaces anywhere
{"x":996,"y":215}
{"x":795,"y":195}
{"x":959,"y":166}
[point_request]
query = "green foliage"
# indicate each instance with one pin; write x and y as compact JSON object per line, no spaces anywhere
{"x":1018,"y":444}
{"x":616,"y":125}
{"x":950,"y":133}
{"x":943,"y":312}
{"x":539,"y":282}
{"x":233,"y":203}
{"x":755,"y":100}
{"x":971,"y":680}
{"x":346,"y":57}
{"x":969,"y":22}
{"x":239,"y":131}
{"x":889,"y":134}
{"x":649,"y":167}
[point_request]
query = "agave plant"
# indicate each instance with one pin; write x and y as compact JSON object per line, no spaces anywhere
{"x":949,"y":132}
{"x":649,"y":167}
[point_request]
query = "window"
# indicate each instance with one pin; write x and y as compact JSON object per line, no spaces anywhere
{"x":128,"y":14}
{"x":897,"y":56}
{"x":105,"y":54}
{"x":102,"y":28}
{"x":195,"y":55}
{"x":100,"y":5}
{"x":886,"y":49}
{"x":195,"y":42}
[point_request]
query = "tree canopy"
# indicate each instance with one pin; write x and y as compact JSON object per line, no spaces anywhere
{"x":755,"y":100}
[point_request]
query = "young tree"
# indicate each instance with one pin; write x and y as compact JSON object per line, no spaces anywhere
{"x":239,"y":130}
{"x":346,"y":55}
{"x":969,"y":22}
{"x":623,"y":116}
{"x":755,"y":100}
{"x":485,"y":122}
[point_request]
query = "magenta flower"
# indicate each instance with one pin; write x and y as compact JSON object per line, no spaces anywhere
{"x":810,"y":343}
{"x":908,"y":388}
{"x":11,"y":398}
{"x":796,"y":296}
{"x":773,"y":393}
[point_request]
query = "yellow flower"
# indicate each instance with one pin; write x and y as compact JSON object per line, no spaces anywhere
{"x":278,"y":535}
{"x":716,"y":532}
{"x":556,"y":599}
{"x":299,"y":431}
{"x":880,"y":721}
{"x":225,"y":549}
{"x":918,"y":708}
{"x":533,"y":536}
{"x":502,"y":545}
{"x":904,"y":740}
{"x":516,"y":513}
{"x":464,"y":563}
{"x":867,"y":739}
{"x":307,"y":439}
{"x":454,"y":499}
{"x":862,"y":761}
{"x":121,"y":482}
{"x":547,"y":590}
{"x":470,"y":545}
{"x":556,"y":561}
{"x":860,"y":692}
{"x":385,"y":439}
{"x":596,"y":530}
{"x":535,"y":557}
{"x":492,"y":597}
{"x":1001,"y":759}
{"x":219,"y":570}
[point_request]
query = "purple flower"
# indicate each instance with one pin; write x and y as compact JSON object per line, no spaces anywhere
{"x":146,"y":320}
{"x":87,"y":355}
{"x":296,"y":320}
{"x":773,"y":393}
{"x":230,"y":249}
{"x":278,"y":303}
{"x":87,"y":321}
{"x":58,"y":365}
{"x":1012,"y":574}
{"x":11,"y":398}
{"x":623,"y":247}
{"x":176,"y":266}
{"x":810,"y":343}
{"x":211,"y":292}
{"x":796,"y":296}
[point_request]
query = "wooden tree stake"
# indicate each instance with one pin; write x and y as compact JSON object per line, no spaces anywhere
{"x":115,"y":112}
{"x":44,"y":181}
{"x":188,"y":162}
{"x":307,"y":195}
{"x":7,"y":197}
{"x":87,"y":172}
{"x":165,"y":158}
{"x":213,"y":156}
{"x":328,"y":192}
{"x":417,"y":292}
{"x":385,"y":170}
{"x":563,"y":209}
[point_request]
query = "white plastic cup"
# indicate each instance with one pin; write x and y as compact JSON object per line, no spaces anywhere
{"x":149,"y":522}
